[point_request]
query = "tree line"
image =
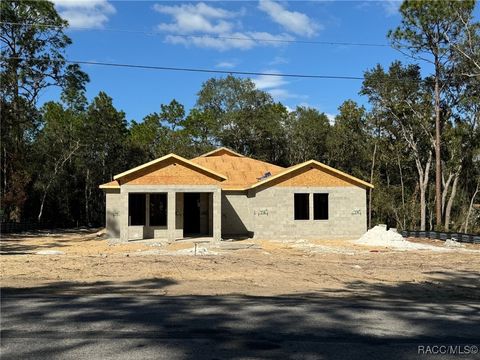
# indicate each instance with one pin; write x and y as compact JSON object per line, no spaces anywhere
{"x":417,"y":140}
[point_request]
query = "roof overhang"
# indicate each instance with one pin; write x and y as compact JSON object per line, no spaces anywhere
{"x":110,"y":185}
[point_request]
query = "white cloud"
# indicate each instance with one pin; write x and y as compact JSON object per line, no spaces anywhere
{"x":211,"y":27}
{"x":282,"y":94}
{"x":188,"y":19}
{"x":278,"y":60}
{"x":235,"y":40}
{"x":274,"y":85}
{"x":265,"y":82}
{"x":199,"y":9}
{"x":293,"y":21}
{"x":85,"y":13}
{"x":391,"y":7}
{"x":226,"y":64}
{"x":331,"y":118}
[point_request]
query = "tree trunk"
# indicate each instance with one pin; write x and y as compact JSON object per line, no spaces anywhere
{"x":423,"y":176}
{"x":423,"y":209}
{"x":438,"y":159}
{"x":87,"y":219}
{"x":446,"y":187}
{"x":404,"y":225}
{"x":370,"y":191}
{"x":58,"y":165}
{"x":472,"y":200}
{"x":448,"y":209}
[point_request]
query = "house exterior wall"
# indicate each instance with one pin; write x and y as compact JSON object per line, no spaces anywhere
{"x":269,"y":213}
{"x":174,"y":228}
{"x":113,"y":207}
{"x":236,"y":213}
{"x":273,"y":213}
{"x":264,"y":211}
{"x":179,"y":216}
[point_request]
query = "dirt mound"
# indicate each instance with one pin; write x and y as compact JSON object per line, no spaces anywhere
{"x":380,"y":236}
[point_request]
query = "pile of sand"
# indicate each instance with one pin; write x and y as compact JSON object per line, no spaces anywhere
{"x":453,"y":244}
{"x":380,"y":236}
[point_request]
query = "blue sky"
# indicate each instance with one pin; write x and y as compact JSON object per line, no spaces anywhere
{"x":147,"y":33}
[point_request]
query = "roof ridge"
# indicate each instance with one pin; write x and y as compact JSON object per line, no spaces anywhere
{"x":222,"y":148}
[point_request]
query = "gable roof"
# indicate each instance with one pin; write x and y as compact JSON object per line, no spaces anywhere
{"x":305,"y":165}
{"x":166,"y":157}
{"x":236,"y":171}
{"x":241,"y":171}
{"x":221,"y":151}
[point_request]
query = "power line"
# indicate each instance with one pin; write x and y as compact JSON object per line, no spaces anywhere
{"x":199,"y":70}
{"x":188,"y":69}
{"x":151,"y":33}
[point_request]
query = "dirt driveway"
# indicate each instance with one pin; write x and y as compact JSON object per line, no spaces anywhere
{"x":251,"y":267}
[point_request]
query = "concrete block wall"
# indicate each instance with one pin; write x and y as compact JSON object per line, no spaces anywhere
{"x":273,"y":213}
{"x":174,"y":228}
{"x":178,"y":216}
{"x":113,"y":208}
{"x":267,"y":213}
{"x":236,"y":213}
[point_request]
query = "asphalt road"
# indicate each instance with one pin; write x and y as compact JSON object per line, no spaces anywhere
{"x":131,"y":322}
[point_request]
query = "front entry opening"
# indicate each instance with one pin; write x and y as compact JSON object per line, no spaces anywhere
{"x":197,"y":214}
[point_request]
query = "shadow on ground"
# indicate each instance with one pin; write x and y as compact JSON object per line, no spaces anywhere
{"x":138,"y":319}
{"x":18,"y":243}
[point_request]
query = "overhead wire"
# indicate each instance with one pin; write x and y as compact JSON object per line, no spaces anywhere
{"x":236,"y":38}
{"x":191,"y":69}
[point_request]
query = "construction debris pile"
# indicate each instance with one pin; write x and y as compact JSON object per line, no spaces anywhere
{"x":381,"y":237}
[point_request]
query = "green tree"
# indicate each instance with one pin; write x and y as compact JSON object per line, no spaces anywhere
{"x":244,"y":118}
{"x":32,"y":59}
{"x":172,"y":115}
{"x":54,"y":146}
{"x":348,"y":143}
{"x":308,"y":131}
{"x":427,"y":31}
{"x":144,"y":138}
{"x":104,"y":139}
{"x":201,"y":127}
{"x":402,"y":104}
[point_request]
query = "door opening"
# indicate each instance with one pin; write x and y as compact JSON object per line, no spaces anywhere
{"x":191,"y":214}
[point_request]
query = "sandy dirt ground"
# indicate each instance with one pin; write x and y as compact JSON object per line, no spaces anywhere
{"x":251,"y":267}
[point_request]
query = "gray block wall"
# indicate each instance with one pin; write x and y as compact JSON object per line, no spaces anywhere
{"x":269,"y":213}
{"x":117,"y":212}
{"x":236,"y":213}
{"x":273,"y":211}
{"x":113,"y":208}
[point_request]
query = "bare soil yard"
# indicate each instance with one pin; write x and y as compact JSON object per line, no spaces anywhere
{"x":252,"y":267}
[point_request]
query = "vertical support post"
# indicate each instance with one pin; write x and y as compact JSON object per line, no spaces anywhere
{"x":310,"y":206}
{"x":171,"y":218}
{"x":123,"y":218}
{"x":217,"y":215}
{"x":147,"y":210}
